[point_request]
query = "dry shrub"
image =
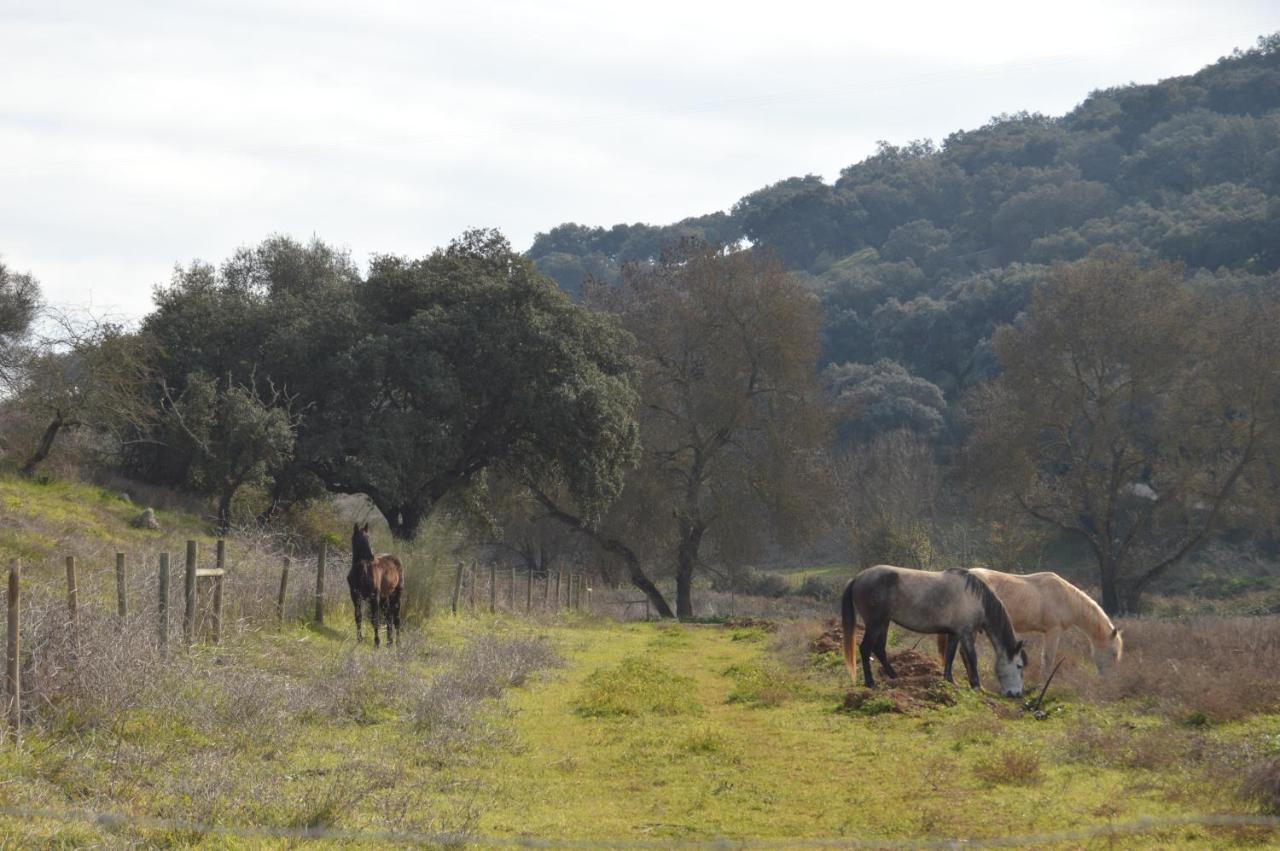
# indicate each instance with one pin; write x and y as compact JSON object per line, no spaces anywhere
{"x":1261,"y":786}
{"x":449,"y":707}
{"x":1122,"y":745}
{"x":1221,"y":668}
{"x":1012,"y":767}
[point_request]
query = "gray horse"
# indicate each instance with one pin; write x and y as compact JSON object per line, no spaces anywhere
{"x":954,"y":602}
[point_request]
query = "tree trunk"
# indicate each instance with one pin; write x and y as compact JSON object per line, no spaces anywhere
{"x":686,"y":562}
{"x":612,"y":545}
{"x":1111,"y":601}
{"x":404,"y":520}
{"x":224,"y":510}
{"x":45,"y":446}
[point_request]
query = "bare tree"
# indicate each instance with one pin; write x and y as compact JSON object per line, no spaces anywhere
{"x":731,"y":417}
{"x":1132,"y":414}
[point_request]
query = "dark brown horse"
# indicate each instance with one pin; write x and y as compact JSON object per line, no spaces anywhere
{"x":378,"y":579}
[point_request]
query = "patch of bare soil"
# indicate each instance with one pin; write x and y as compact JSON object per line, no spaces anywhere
{"x":918,"y":686}
{"x":828,"y":641}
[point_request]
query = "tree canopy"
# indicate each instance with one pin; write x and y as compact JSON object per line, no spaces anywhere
{"x":406,"y":384}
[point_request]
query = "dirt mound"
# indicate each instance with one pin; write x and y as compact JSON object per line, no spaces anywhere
{"x":909,"y":663}
{"x":828,"y":641}
{"x":919,"y":685}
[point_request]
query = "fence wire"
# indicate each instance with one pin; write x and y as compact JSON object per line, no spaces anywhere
{"x":116,"y":821}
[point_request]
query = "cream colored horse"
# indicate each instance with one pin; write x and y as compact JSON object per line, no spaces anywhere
{"x":1048,"y":604}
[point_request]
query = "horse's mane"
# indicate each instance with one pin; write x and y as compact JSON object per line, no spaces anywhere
{"x":998,"y":625}
{"x":1099,"y":626}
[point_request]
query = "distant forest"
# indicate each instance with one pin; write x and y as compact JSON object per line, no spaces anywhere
{"x":920,"y":251}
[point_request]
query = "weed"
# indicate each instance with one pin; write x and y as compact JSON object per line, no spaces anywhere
{"x":637,"y":686}
{"x":762,"y":684}
{"x":1010,"y":767}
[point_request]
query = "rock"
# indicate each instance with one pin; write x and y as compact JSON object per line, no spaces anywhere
{"x":146,"y":520}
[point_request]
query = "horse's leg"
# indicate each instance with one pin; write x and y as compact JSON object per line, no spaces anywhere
{"x":943,"y":638}
{"x":970,"y":655}
{"x":355,"y":603}
{"x":882,"y":654}
{"x":949,"y":654}
{"x":1049,"y":651}
{"x":395,"y":613}
{"x":864,"y":649}
{"x":374,"y":605}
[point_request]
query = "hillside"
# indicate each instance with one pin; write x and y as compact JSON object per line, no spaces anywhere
{"x":920,"y":250}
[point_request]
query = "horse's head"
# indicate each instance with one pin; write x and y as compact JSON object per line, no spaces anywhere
{"x":1106,"y":654}
{"x":1009,"y":668}
{"x":361,"y":550}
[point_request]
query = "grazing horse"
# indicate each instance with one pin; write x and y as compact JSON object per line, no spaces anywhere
{"x":1048,"y":604}
{"x":378,"y":579}
{"x":954,"y":602}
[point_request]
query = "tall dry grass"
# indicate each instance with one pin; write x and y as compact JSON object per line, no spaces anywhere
{"x":1221,"y":668}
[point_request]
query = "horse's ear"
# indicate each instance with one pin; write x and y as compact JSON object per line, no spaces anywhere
{"x":1018,"y":649}
{"x":1115,"y":631}
{"x":355,"y":528}
{"x":366,"y":527}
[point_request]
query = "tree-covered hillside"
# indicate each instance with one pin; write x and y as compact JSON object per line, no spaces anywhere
{"x":921,"y":250}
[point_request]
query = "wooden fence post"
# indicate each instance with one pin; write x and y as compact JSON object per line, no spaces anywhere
{"x":73,"y":594}
{"x":321,"y":559}
{"x":189,"y":595}
{"x":493,"y":587}
{"x":511,"y":590}
{"x":528,"y":592}
{"x":559,"y":571}
{"x":588,"y":581}
{"x":221,"y":551}
{"x":473,"y":587}
{"x":12,"y":671}
{"x":122,"y":594}
{"x":163,"y":610}
{"x":457,"y":588}
{"x":546,"y":588}
{"x":284,"y":587}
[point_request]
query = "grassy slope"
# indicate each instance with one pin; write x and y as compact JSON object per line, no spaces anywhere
{"x":42,"y":522}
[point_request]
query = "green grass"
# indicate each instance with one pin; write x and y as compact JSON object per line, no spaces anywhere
{"x":647,"y":732}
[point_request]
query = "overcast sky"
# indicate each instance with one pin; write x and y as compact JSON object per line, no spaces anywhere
{"x":134,"y":135}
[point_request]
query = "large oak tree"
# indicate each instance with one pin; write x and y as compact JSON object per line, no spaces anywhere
{"x":731,"y":415}
{"x":411,"y":382}
{"x":1133,"y":414}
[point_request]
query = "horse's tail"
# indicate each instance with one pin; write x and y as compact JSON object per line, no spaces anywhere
{"x":848,"y":622}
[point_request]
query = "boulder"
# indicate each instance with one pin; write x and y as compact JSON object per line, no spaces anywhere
{"x":146,"y":520}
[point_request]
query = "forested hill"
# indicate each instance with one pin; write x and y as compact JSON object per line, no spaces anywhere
{"x":920,"y":250}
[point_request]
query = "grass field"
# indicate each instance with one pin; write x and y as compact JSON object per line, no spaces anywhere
{"x":637,"y":732}
{"x":570,"y":727}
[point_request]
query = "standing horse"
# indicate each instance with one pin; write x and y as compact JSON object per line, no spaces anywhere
{"x":378,"y":579}
{"x":954,"y":602}
{"x":1048,"y":604}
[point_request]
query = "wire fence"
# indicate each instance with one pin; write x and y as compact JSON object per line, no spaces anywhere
{"x":117,"y":821}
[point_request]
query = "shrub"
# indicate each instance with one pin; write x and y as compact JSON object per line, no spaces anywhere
{"x":762,"y":684}
{"x":1206,"y":670}
{"x":1261,"y":787}
{"x":821,"y":588}
{"x":1013,"y":767}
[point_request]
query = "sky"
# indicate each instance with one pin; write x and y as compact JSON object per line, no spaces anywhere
{"x":139,"y":135}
